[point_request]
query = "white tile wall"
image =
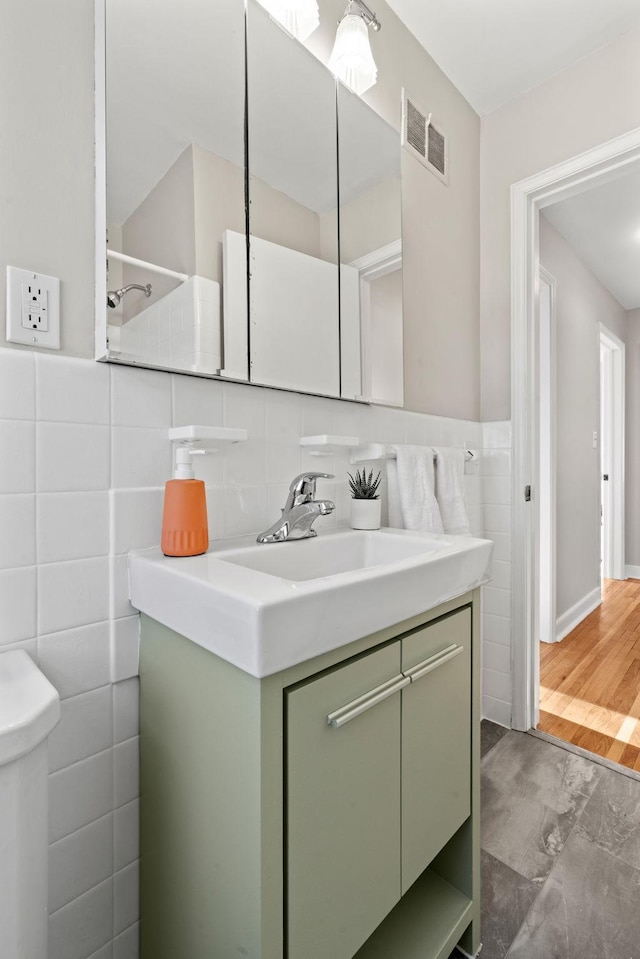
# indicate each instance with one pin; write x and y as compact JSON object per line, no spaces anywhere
{"x":72,"y":526}
{"x":126,"y":844}
{"x":496,"y":617}
{"x":79,"y":794}
{"x":80,"y":861}
{"x":72,"y":457}
{"x":76,"y":660}
{"x":125,"y":946}
{"x":18,"y":604}
{"x":17,"y":385}
{"x":140,"y":398}
{"x":80,"y":928}
{"x":84,"y":728}
{"x":181,"y":330}
{"x":18,"y":525}
{"x":83,"y":485}
{"x":88,"y":400}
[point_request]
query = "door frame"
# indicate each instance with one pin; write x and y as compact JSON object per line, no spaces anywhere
{"x":613,"y":547}
{"x":371,"y":266}
{"x":528,"y":197}
{"x":545,"y":467}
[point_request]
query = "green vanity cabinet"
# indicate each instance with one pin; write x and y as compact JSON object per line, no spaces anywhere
{"x":373,"y":795}
{"x":343,"y":808}
{"x":325,"y":812}
{"x":436,"y":739}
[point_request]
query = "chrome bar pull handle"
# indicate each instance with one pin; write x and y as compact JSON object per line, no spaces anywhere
{"x":340,"y":717}
{"x":428,"y":665}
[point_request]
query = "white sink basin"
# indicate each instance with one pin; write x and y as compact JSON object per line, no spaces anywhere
{"x":307,"y":559}
{"x":265,"y":608}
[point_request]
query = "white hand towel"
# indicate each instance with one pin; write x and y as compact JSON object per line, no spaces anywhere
{"x":450,"y":489}
{"x":414,"y":465}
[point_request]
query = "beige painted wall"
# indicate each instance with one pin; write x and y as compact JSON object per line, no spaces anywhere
{"x":218,"y":206}
{"x":161,"y":231}
{"x":582,"y":303}
{"x":279,"y":219}
{"x":386,"y":336}
{"x":47,"y":156}
{"x":180,"y":223}
{"x":440,"y":224}
{"x":591,"y":102}
{"x":368,"y":222}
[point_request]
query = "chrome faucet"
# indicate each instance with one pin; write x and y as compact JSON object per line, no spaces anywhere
{"x":300,"y":510}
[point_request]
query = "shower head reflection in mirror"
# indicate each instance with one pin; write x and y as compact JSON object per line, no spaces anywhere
{"x":114,"y":296}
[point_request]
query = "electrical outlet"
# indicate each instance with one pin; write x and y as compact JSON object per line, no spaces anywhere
{"x":35,"y":312}
{"x":33,"y":308}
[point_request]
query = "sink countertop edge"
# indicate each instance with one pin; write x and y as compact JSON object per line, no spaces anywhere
{"x":275,"y":609}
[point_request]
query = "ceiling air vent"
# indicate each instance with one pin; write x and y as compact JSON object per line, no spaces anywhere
{"x":423,"y":139}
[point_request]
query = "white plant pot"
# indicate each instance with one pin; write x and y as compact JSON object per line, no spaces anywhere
{"x":365,"y":513}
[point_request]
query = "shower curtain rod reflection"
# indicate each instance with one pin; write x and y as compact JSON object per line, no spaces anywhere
{"x":133,"y":261}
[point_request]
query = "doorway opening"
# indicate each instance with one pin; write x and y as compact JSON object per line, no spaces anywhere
{"x":534,"y":613}
{"x":590,"y":654}
{"x":612,"y":454}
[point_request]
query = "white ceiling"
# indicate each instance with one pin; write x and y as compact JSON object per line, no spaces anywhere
{"x":602,"y":226}
{"x":493,"y":50}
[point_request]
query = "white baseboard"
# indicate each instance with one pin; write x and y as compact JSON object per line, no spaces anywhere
{"x":632,"y":572}
{"x":575,"y":615}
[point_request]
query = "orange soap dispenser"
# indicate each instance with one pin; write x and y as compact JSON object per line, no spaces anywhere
{"x":185,"y":530}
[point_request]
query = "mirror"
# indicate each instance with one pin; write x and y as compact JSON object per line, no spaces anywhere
{"x":370,"y":253}
{"x":183,"y":295}
{"x":175,"y":88}
{"x":294,"y":329}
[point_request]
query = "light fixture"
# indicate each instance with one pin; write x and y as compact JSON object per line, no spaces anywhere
{"x":299,"y":17}
{"x":351,"y":60}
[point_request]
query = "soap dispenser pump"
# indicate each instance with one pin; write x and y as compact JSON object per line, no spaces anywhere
{"x":185,"y":530}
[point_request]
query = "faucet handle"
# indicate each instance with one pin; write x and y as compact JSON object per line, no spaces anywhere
{"x":304,"y":485}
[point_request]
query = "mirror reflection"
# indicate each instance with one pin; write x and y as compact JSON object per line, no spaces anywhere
{"x":175,"y":175}
{"x":370,"y":253}
{"x":293,"y":195}
{"x":315,"y":171}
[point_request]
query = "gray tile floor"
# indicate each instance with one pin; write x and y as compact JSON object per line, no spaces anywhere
{"x":560,"y":853}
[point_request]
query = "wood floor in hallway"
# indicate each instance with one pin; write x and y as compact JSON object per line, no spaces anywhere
{"x":590,"y":682}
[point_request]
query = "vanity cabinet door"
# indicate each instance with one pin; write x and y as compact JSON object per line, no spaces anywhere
{"x":343,"y":805}
{"x":436,"y":739}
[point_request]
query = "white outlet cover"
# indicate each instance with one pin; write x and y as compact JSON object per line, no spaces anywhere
{"x":46,"y":289}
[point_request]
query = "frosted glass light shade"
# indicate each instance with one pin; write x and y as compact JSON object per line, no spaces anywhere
{"x":299,"y":17}
{"x":351,"y":59}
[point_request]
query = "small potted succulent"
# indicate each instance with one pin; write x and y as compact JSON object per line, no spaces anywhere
{"x":365,"y":502}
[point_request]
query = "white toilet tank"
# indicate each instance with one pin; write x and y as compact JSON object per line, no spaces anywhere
{"x":29,"y":709}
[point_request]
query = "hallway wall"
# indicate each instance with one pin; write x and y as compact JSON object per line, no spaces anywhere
{"x":582,"y":303}
{"x":632,"y":462}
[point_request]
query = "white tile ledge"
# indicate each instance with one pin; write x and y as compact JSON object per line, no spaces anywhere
{"x":326,"y":444}
{"x":205,"y":435}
